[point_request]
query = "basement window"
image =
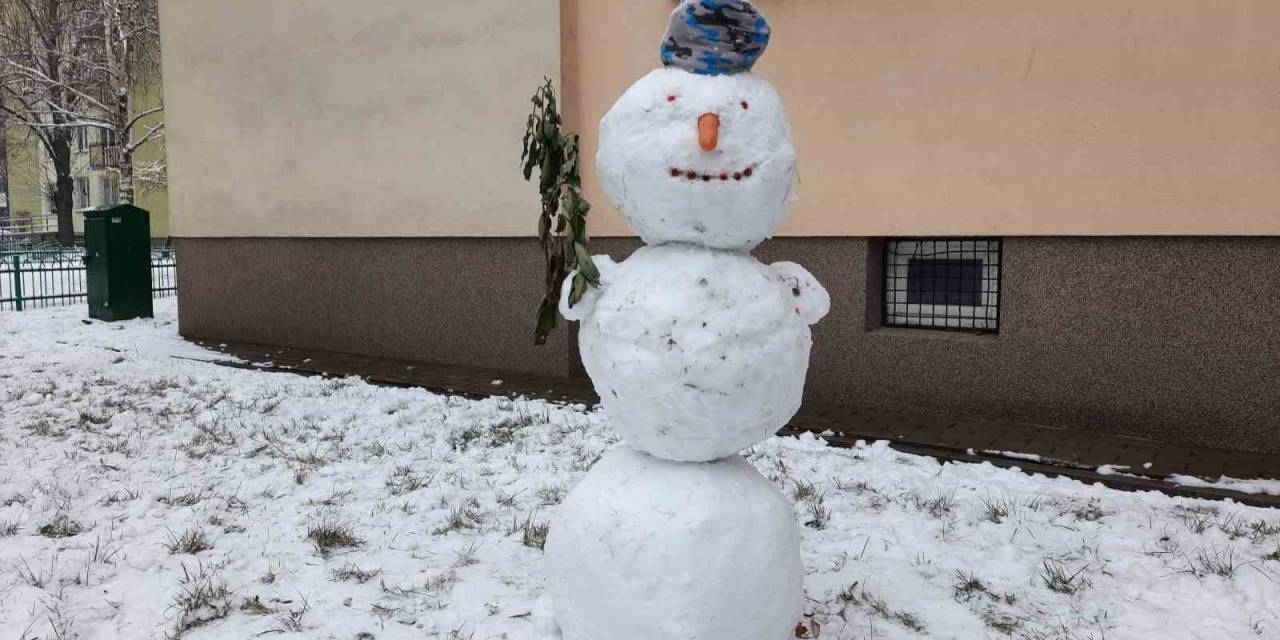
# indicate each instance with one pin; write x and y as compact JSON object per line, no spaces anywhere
{"x":942,"y":283}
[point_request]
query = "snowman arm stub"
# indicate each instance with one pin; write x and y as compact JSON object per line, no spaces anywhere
{"x":811,"y":299}
{"x":583,"y":307}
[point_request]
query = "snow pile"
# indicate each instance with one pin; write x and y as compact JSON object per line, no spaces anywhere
{"x":1254,"y":486}
{"x":446,"y":501}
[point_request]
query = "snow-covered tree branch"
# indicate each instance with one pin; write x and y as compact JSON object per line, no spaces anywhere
{"x":69,"y":64}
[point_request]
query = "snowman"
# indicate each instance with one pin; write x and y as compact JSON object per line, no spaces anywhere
{"x":697,"y":351}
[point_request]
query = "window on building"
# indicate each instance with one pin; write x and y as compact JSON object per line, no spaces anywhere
{"x":942,"y":283}
{"x":80,"y":195}
{"x":110,"y":184}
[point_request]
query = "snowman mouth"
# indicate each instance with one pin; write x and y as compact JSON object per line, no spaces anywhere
{"x":721,"y":176}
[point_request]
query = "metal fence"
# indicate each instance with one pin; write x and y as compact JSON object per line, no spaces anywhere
{"x":43,"y":276}
{"x":16,"y":228}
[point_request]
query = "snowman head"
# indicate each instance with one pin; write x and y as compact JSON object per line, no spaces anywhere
{"x":701,"y":151}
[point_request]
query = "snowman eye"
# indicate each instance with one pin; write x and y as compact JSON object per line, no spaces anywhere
{"x":745,"y":105}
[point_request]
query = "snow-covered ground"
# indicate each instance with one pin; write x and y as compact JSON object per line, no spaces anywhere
{"x":144,"y":495}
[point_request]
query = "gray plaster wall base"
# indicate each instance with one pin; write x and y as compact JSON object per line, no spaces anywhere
{"x":1173,"y":339}
{"x":457,"y":301}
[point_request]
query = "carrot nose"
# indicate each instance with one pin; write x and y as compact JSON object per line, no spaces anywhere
{"x":708,"y":131}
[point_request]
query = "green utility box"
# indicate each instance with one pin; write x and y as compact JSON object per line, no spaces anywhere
{"x":117,"y":258}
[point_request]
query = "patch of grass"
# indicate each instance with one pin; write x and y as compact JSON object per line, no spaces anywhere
{"x":203,"y":597}
{"x":878,"y":606}
{"x":466,"y":516}
{"x":864,"y":598}
{"x":506,"y":499}
{"x":804,"y":490}
{"x":91,"y":417}
{"x":191,"y":541}
{"x":61,"y":527}
{"x":328,"y":534}
{"x":188,"y":499}
{"x":460,"y":439}
{"x":468,"y":556}
{"x":254,"y":607}
{"x":1257,"y":530}
{"x":1091,"y":512}
{"x":967,"y":586}
{"x":159,"y":385}
{"x":997,"y":510}
{"x":819,"y":516}
{"x":551,"y":494}
{"x":584,"y":459}
{"x":351,"y":573}
{"x":1217,"y":561}
{"x":8,"y":528}
{"x":1057,"y":579}
{"x":34,"y":578}
{"x":383,"y":611}
{"x":404,"y":480}
{"x":939,"y":506}
{"x":535,"y":532}
{"x":290,"y":620}
{"x":1000,"y":622}
{"x":116,"y":497}
{"x":441,"y":583}
{"x":1197,"y":520}
{"x":335,"y":498}
{"x":60,"y":624}
{"x":103,"y":552}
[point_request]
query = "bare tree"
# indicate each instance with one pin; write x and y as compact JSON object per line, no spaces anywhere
{"x":41,"y":84}
{"x":129,"y":62}
{"x":67,"y":64}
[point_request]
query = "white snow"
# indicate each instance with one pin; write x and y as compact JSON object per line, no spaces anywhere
{"x":100,"y":424}
{"x":1255,"y":486}
{"x":1030,"y":457}
{"x":678,"y":550}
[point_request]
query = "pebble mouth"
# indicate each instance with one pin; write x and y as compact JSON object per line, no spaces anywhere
{"x":691,"y":175}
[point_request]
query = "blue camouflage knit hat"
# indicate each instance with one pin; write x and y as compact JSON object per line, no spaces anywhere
{"x":715,"y":37}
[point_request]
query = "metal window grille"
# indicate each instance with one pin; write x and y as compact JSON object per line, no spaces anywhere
{"x":942,"y":283}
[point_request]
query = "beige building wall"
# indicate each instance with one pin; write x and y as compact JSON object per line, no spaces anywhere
{"x":994,"y":116}
{"x":342,"y":118}
{"x":1093,"y":117}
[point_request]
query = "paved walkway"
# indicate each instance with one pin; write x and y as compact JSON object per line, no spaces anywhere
{"x":1139,"y":464}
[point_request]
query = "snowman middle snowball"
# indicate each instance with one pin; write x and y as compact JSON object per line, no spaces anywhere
{"x":696,"y":349}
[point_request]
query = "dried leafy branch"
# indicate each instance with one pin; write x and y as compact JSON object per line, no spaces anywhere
{"x":562,"y":224}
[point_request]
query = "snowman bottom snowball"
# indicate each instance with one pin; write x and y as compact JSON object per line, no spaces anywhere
{"x":646,"y":548}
